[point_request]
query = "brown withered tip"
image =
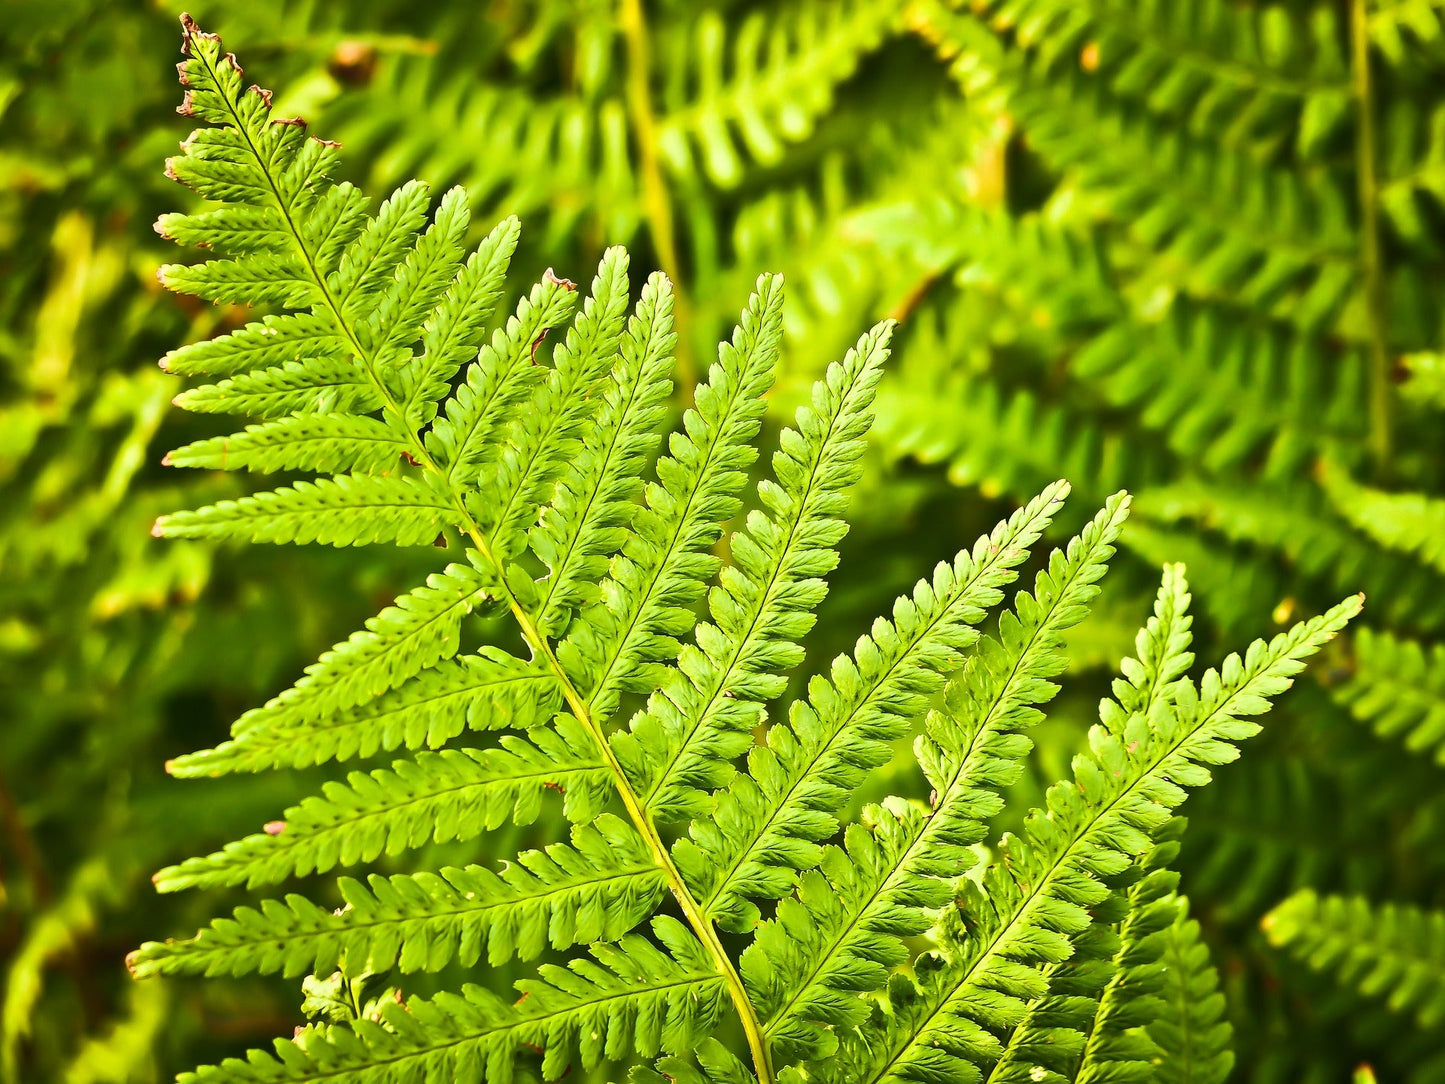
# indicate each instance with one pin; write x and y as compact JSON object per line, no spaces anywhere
{"x":566,"y":284}
{"x":130,"y":958}
{"x":170,"y":766}
{"x":274,"y":828}
{"x":166,"y":460}
{"x":164,"y":365}
{"x":327,"y":142}
{"x":160,"y":229}
{"x":265,"y":94}
{"x":171,"y":169}
{"x":156,"y":532}
{"x":291,"y":122}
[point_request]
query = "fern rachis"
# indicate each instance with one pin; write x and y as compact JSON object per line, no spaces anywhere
{"x":533,"y":462}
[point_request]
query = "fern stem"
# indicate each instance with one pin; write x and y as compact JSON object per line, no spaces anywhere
{"x":656,"y":198}
{"x":1381,"y":437}
{"x":701,"y":925}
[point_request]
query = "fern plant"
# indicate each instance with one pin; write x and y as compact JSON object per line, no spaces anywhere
{"x":905,"y":948}
{"x":1192,"y":249}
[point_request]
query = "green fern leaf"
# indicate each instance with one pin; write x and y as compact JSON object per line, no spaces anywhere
{"x":1391,"y":951}
{"x":597,"y":889}
{"x":349,"y":510}
{"x":454,"y":794}
{"x":701,"y":720}
{"x":635,"y":996}
{"x":1095,"y":826}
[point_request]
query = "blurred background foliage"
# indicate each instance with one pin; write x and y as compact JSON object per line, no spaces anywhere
{"x":1195,"y":249}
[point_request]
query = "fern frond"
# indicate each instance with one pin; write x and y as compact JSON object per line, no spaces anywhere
{"x":1192,"y":1033}
{"x":545,"y":436}
{"x":314,"y":387}
{"x":1232,"y":388}
{"x":501,"y":378}
{"x":348,"y":510}
{"x":680,"y":749}
{"x":597,"y":889}
{"x":1408,"y":522}
{"x":1119,"y":1047}
{"x":455,"y":329}
{"x":1036,"y":899}
{"x":619,"y":643}
{"x":593,"y":506}
{"x":269,"y":343}
{"x":421,"y":630}
{"x":323,"y":443}
{"x":1293,"y":521}
{"x":490,"y":690}
{"x":1212,"y":219}
{"x":1398,"y":687}
{"x":1250,"y":76}
{"x":804,"y":965}
{"x":779,"y":78}
{"x":1391,"y":951}
{"x":633,"y":996}
{"x":454,"y":794}
{"x":768,"y":823}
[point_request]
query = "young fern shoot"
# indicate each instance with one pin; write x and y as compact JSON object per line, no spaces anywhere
{"x":527,"y":462}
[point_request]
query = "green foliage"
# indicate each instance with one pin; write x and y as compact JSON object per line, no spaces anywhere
{"x":529,"y":462}
{"x":1189,"y":249}
{"x":1391,"y":951}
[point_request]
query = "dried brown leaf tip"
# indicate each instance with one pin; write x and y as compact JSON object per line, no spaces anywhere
{"x":275,"y":828}
{"x":291,"y":122}
{"x":550,"y":276}
{"x":190,"y":31}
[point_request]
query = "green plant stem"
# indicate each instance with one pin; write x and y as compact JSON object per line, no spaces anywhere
{"x":656,"y":197}
{"x":1381,"y":437}
{"x":701,"y":925}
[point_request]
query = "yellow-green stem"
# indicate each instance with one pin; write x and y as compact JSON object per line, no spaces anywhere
{"x":1381,"y":438}
{"x":656,"y":197}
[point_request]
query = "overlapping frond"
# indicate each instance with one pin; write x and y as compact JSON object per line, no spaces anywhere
{"x":1035,"y":901}
{"x":596,"y":889}
{"x":1192,"y":1035}
{"x":664,"y":564}
{"x":769,"y":821}
{"x":681,"y":747}
{"x":453,"y":794}
{"x":632,"y":996}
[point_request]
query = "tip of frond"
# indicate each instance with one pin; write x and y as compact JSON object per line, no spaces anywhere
{"x":274,"y":828}
{"x":130,"y":962}
{"x":190,"y":31}
{"x":165,"y":462}
{"x":550,"y":277}
{"x":158,"y":530}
